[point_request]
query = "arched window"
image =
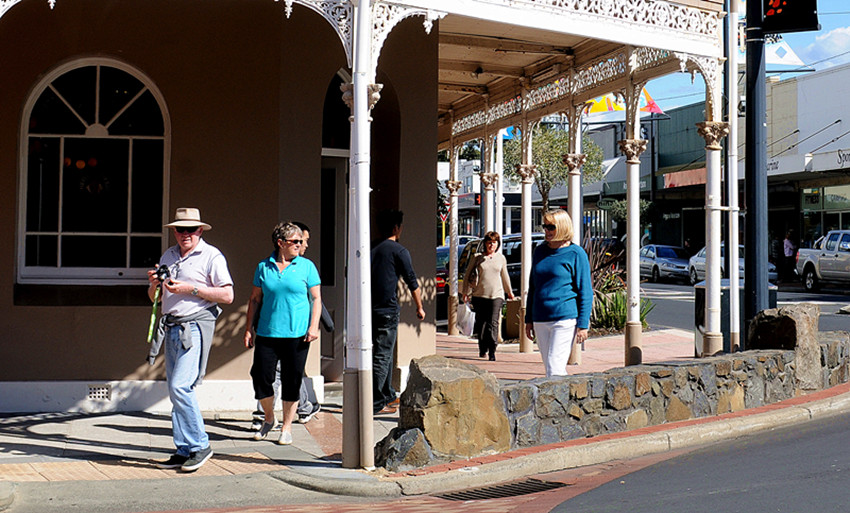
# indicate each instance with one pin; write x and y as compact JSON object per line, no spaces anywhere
{"x":93,"y":172}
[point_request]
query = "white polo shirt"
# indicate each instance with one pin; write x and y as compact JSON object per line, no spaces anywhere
{"x":205,"y":266}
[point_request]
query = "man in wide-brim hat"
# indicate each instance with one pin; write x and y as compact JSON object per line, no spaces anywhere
{"x":199,"y":281}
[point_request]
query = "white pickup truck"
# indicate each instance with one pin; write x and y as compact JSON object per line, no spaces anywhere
{"x":827,"y":261}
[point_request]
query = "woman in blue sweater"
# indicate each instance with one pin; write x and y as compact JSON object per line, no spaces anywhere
{"x":560,"y":294}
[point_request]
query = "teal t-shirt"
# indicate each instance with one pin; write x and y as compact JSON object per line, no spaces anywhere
{"x":286,"y":297}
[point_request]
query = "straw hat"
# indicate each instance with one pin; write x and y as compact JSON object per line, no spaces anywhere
{"x":188,"y":217}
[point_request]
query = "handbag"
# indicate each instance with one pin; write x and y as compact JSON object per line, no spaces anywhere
{"x":465,"y":319}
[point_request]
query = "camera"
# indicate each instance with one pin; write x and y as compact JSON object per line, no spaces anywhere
{"x":162,"y":273}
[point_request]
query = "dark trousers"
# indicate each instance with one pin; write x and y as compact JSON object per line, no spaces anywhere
{"x":384,"y":335}
{"x":291,"y":353}
{"x":488,"y":315}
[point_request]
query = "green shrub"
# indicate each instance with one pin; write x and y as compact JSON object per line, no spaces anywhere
{"x":610,"y":310}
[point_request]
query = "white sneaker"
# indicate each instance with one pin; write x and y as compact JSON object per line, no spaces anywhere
{"x":285,"y":438}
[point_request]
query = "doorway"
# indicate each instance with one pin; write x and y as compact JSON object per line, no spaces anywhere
{"x":333,"y":225}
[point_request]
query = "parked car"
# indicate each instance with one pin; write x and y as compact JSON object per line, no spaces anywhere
{"x":696,"y":265}
{"x":828,"y":260}
{"x":442,"y":278}
{"x":663,"y":262}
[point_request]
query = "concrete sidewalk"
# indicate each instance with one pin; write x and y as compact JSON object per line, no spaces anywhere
{"x":77,"y":449}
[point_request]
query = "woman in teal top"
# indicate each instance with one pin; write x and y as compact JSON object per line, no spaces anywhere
{"x":560,"y":294}
{"x":286,"y":305}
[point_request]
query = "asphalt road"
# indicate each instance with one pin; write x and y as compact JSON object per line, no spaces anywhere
{"x":799,"y":469}
{"x":674,"y":305}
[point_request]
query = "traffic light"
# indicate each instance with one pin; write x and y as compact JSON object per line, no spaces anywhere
{"x":790,"y":16}
{"x":477,"y":198}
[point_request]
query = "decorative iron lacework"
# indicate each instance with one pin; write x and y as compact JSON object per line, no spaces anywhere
{"x":385,"y":17}
{"x":5,"y":5}
{"x":657,"y":14}
{"x":645,"y":58}
{"x":339,"y":13}
{"x":600,"y":72}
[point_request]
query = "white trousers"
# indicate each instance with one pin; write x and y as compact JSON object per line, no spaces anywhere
{"x":555,"y":340}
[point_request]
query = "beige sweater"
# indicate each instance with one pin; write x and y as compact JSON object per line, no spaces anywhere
{"x":493,"y":277}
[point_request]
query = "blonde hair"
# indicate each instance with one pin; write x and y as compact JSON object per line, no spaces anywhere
{"x":563,"y":224}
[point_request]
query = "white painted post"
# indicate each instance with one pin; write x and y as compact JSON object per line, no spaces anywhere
{"x":712,"y":131}
{"x":732,"y":178}
{"x":499,"y":214}
{"x":359,"y":320}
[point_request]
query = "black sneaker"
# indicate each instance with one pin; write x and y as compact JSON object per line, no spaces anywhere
{"x":303,"y":419}
{"x":257,"y":420}
{"x":175,"y":461}
{"x":197,"y":459}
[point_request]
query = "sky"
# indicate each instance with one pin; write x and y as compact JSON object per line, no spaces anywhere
{"x":821,"y":49}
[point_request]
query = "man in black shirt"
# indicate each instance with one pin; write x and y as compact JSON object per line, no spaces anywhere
{"x":390,"y":261}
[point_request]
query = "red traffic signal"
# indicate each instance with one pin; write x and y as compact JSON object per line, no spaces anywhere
{"x":477,"y":198}
{"x":790,"y":16}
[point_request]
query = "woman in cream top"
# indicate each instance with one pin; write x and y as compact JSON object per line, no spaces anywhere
{"x":487,"y":277}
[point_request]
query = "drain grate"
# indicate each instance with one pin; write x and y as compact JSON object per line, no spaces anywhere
{"x":100,"y":392}
{"x":526,"y":487}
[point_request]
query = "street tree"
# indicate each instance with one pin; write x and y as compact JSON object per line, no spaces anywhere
{"x":549,"y":144}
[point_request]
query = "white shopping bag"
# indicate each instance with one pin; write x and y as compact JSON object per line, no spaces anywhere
{"x":465,"y":319}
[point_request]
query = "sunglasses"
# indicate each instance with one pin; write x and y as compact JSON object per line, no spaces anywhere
{"x":549,"y":227}
{"x":186,"y":229}
{"x":294,"y":241}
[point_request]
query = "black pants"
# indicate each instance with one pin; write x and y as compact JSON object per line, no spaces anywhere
{"x":292,"y":355}
{"x":488,"y":315}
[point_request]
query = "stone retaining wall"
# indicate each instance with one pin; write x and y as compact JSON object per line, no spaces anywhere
{"x":549,"y":410}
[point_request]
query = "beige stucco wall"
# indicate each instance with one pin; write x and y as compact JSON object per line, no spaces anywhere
{"x":244,"y":88}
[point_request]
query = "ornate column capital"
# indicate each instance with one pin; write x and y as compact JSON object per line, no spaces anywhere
{"x":348,"y":94}
{"x":633,"y":149}
{"x":489,"y":180}
{"x":453,"y":186}
{"x":526,"y":171}
{"x":713,"y":132}
{"x":574,"y":161}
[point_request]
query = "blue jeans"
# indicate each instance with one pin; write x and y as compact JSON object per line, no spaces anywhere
{"x":181,"y":370}
{"x":384,"y":334}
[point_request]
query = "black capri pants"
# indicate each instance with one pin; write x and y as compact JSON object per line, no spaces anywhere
{"x":292,"y":355}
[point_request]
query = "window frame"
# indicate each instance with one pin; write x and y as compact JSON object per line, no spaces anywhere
{"x":88,"y":275}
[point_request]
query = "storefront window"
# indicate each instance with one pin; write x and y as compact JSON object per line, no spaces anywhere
{"x":811,"y":199}
{"x":836,"y":197}
{"x":812,"y":229}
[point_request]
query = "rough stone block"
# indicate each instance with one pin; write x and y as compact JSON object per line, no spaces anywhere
{"x":593,"y":405}
{"x":575,"y":411}
{"x":597,"y":387}
{"x":730,"y":399}
{"x":680,"y":377}
{"x":793,"y":327}
{"x":579,"y":390}
{"x":457,"y":406}
{"x":637,"y":419}
{"x":754,"y":393}
{"x":552,"y":399}
{"x":643,"y":383}
{"x":592,"y":425}
{"x":527,"y":428}
{"x":667,"y":387}
{"x":403,"y":450}
{"x":520,"y":397}
{"x":677,"y":410}
{"x":708,"y":379}
{"x":618,"y":394}
{"x":723,"y":367}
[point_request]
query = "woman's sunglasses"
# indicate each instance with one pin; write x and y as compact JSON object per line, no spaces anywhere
{"x":549,"y":227}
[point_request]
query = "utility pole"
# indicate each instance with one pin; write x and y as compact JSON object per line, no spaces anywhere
{"x":755,"y":256}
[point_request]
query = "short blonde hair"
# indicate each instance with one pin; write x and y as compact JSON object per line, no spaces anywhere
{"x":563,"y":224}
